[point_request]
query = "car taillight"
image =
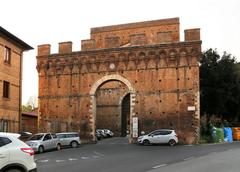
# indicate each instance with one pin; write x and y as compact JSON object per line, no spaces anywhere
{"x":29,"y":151}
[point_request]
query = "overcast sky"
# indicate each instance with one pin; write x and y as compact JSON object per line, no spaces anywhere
{"x":52,"y":21}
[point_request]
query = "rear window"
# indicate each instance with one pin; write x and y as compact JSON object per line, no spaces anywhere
{"x":4,"y":141}
{"x":166,"y":132}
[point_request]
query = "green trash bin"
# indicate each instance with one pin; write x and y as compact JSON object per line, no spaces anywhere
{"x":217,"y":135}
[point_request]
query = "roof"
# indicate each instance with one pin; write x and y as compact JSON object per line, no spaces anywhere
{"x":9,"y":135}
{"x":13,"y":38}
{"x":35,"y":114}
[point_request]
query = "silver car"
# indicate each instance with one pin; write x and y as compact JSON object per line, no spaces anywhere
{"x":69,"y":139}
{"x":43,"y":141}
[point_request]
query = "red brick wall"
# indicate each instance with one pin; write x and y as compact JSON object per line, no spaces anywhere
{"x":164,"y":79}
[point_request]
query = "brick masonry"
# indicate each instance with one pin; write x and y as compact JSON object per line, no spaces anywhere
{"x":144,"y":59}
{"x":10,"y":107}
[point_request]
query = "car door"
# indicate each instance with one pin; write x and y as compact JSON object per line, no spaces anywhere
{"x":47,"y":141}
{"x":154,"y":137}
{"x":4,"y":152}
{"x":54,"y":141}
{"x":166,"y":136}
{"x":62,"y":139}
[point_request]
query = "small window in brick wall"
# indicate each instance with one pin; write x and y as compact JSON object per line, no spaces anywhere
{"x":3,"y":125}
{"x":6,"y":89}
{"x":7,"y":55}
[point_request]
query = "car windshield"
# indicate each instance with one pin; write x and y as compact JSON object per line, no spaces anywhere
{"x":37,"y":137}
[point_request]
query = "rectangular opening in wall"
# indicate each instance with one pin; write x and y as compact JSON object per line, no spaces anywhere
{"x":7,"y":55}
{"x":3,"y":125}
{"x":6,"y":89}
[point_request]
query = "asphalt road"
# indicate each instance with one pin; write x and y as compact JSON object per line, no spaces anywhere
{"x":227,"y":161}
{"x":116,"y":155}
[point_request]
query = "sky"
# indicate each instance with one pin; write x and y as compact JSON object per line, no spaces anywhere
{"x":39,"y":22}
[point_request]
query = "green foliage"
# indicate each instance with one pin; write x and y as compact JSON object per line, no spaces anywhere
{"x":27,"y":108}
{"x":219,"y":85}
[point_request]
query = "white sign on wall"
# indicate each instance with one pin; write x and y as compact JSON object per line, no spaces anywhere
{"x":135,"y":127}
{"x":191,"y":108}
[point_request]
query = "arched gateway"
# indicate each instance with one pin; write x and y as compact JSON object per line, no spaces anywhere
{"x":133,"y":77}
{"x":130,"y":90}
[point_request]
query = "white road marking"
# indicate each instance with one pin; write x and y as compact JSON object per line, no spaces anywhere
{"x":84,"y":157}
{"x":60,"y":160}
{"x":191,"y":157}
{"x":44,"y":160}
{"x":97,"y":153}
{"x":159,"y":166}
{"x":72,"y":159}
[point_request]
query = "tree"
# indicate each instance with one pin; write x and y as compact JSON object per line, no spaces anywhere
{"x":27,"y":108}
{"x":219,"y":85}
{"x":31,"y":104}
{"x":32,"y":101}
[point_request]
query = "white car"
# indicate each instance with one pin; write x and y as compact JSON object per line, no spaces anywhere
{"x":43,"y":141}
{"x":108,"y":132}
{"x":69,"y":139}
{"x":15,"y":155}
{"x":159,"y":137}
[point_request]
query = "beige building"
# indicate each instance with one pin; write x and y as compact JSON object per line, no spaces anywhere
{"x":11,"y":53}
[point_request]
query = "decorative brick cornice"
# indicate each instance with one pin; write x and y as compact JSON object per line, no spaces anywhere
{"x":143,"y":57}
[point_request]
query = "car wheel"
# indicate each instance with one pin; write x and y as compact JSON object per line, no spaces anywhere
{"x":172,"y":142}
{"x":40,"y":149}
{"x":146,"y":142}
{"x":74,"y":144}
{"x":13,"y":170}
{"x":58,"y":146}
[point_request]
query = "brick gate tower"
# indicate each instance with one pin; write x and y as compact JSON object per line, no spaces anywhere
{"x":130,"y":78}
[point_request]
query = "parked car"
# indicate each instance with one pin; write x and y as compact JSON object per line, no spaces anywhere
{"x":44,"y":141}
{"x":105,"y":132}
{"x":102,"y":133}
{"x":108,"y":132}
{"x":24,"y":136}
{"x":99,"y":136}
{"x":158,"y":137}
{"x":15,"y":155}
{"x":69,"y":139}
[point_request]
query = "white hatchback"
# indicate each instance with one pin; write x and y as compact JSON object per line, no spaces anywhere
{"x":15,"y":155}
{"x":159,"y":137}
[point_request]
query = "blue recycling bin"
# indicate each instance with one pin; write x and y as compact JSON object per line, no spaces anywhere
{"x":228,"y":137}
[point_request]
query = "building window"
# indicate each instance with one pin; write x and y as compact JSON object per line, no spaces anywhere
{"x":6,"y":89}
{"x":3,"y":126}
{"x":7,"y":55}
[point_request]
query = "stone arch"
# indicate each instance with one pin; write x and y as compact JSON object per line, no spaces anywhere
{"x":141,"y":55}
{"x":96,"y":85}
{"x":106,"y":78}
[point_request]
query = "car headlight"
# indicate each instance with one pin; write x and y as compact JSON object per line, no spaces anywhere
{"x":141,"y":137}
{"x":34,"y":144}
